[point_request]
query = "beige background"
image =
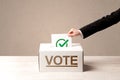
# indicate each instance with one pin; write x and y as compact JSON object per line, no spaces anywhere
{"x":26,"y":23}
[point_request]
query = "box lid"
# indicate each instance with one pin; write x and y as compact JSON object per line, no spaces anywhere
{"x":50,"y":47}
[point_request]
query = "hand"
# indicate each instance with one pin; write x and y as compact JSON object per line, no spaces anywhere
{"x":73,"y":32}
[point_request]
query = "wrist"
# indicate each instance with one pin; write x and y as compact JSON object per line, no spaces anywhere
{"x":81,"y":34}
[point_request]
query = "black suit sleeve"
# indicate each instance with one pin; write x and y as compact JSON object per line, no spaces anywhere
{"x":101,"y":24}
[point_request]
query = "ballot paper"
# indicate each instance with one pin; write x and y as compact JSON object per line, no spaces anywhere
{"x":61,"y":40}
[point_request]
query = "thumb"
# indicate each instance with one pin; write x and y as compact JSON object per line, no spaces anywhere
{"x":71,"y":31}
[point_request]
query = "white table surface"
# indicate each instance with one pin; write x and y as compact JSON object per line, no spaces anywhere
{"x":26,"y":68}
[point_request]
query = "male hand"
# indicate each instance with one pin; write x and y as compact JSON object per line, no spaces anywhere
{"x":73,"y":32}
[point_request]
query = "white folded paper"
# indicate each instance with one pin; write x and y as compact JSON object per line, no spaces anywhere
{"x":61,"y":40}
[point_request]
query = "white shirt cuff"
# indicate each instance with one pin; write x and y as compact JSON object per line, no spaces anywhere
{"x":81,"y":34}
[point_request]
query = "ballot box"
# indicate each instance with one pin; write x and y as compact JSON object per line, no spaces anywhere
{"x":59,"y":59}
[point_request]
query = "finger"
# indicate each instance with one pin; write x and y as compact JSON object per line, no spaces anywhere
{"x":71,"y":35}
{"x":71,"y":31}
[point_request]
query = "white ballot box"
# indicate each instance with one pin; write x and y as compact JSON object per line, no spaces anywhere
{"x":61,"y":59}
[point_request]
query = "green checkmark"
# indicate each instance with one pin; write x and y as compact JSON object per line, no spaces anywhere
{"x":63,"y":44}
